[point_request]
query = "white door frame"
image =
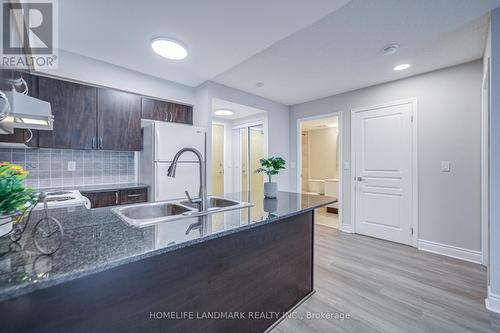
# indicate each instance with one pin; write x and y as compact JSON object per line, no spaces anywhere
{"x":247,"y":125}
{"x":340,"y":162}
{"x":414,"y":162}
{"x":485,"y":166}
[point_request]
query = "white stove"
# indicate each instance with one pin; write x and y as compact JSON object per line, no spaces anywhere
{"x":64,"y":198}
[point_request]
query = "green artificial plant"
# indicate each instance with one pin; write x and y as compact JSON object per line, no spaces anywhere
{"x":14,"y":196}
{"x":271,"y":166}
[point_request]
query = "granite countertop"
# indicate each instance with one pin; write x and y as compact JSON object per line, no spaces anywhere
{"x":97,"y":188}
{"x":96,"y":240}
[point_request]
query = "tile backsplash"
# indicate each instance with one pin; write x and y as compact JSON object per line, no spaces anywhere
{"x":50,"y":167}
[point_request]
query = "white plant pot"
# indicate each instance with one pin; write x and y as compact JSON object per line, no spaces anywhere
{"x":5,"y":224}
{"x":271,"y":190}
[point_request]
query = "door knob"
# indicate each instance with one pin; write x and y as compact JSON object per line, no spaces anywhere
{"x":360,"y":179}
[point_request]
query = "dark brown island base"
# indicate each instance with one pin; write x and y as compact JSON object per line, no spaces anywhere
{"x":236,"y":271}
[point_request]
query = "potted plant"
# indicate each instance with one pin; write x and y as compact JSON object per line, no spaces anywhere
{"x":271,"y":166}
{"x":15,"y":198}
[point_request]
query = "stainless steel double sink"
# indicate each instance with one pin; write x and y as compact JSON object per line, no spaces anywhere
{"x":141,"y":215}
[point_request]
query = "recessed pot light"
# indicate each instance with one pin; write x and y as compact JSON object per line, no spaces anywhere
{"x":223,"y":112}
{"x":169,"y":48}
{"x":402,"y":67}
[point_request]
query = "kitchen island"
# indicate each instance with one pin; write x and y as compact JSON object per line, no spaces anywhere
{"x":239,"y":270}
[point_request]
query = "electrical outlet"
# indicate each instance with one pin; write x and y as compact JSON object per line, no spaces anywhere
{"x":71,"y":165}
{"x":445,"y":166}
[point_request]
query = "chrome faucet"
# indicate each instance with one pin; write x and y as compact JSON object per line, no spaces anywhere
{"x":202,"y":200}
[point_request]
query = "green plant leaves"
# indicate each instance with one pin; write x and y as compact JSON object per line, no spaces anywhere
{"x":271,"y":166}
{"x":14,"y":196}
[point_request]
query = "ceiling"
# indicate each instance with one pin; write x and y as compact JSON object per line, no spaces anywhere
{"x":310,"y":125}
{"x":301,"y":50}
{"x":342,"y":52}
{"x":240,"y":110}
{"x":219,"y":34}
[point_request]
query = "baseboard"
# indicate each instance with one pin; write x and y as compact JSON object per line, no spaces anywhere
{"x":493,"y":301}
{"x":346,"y":228}
{"x":451,"y":251}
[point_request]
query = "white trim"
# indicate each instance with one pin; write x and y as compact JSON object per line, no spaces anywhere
{"x":346,"y":228}
{"x":247,"y":125}
{"x":451,"y":251}
{"x":485,"y":167}
{"x":340,"y":162}
{"x":414,"y":162}
{"x":492,"y":302}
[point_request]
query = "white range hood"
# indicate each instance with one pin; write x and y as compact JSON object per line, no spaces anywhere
{"x":28,"y":112}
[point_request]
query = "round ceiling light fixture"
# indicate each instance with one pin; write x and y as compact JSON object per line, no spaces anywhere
{"x":169,"y":48}
{"x":223,"y":112}
{"x":402,"y":67}
{"x":259,"y":84}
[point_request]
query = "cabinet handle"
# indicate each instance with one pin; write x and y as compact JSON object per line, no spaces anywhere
{"x":166,"y":115}
{"x":93,"y":142}
{"x":133,"y":195}
{"x":31,"y":136}
{"x":100,"y":142}
{"x":116,"y":198}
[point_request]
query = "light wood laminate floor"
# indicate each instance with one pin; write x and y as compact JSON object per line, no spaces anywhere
{"x":388,"y":287}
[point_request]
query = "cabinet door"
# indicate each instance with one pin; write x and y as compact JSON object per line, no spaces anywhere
{"x":181,"y":113}
{"x":166,"y":111}
{"x":131,"y":196}
{"x":154,"y":109}
{"x":74,"y":109}
{"x":102,"y":199}
{"x":119,"y":120}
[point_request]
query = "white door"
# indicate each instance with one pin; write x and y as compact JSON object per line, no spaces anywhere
{"x":382,"y":147}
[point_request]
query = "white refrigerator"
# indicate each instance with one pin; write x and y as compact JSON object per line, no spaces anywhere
{"x":161,"y":142}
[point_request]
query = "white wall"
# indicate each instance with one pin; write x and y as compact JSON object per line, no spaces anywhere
{"x":87,"y":70}
{"x":494,"y":267}
{"x":277,"y":118}
{"x":449,"y":103}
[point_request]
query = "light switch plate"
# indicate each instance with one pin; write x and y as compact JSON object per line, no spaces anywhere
{"x":445,"y":166}
{"x":71,"y":165}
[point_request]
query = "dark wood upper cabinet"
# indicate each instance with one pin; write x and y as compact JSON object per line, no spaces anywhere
{"x":166,"y":111}
{"x":74,"y":109}
{"x":118,"y":120}
{"x":87,"y":117}
{"x":181,"y":113}
{"x":154,"y":109}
